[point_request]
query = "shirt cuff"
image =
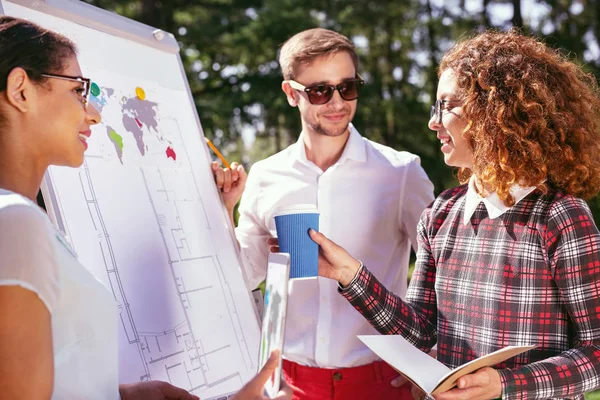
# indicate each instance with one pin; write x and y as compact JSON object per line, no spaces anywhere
{"x":513,"y":385}
{"x":503,"y":381}
{"x":359,"y":281}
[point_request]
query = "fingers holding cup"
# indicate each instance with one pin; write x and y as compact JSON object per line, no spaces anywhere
{"x":273,"y":244}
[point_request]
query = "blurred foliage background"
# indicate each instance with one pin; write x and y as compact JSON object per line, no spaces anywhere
{"x":229,"y":49}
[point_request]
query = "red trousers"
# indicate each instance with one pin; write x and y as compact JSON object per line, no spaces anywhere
{"x":365,"y":382}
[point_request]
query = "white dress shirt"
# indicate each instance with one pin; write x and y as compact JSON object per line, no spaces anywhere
{"x":35,"y":256}
{"x":369,"y":201}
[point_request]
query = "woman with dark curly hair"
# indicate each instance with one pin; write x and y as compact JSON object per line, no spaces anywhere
{"x":512,"y":256}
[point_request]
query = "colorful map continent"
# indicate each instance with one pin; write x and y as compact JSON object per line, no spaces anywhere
{"x":138,"y":117}
{"x":171,"y":153}
{"x":101,"y":100}
{"x":117,"y":140}
{"x":136,"y":114}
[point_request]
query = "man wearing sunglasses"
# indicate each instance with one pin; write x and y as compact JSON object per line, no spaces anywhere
{"x":370,"y":198}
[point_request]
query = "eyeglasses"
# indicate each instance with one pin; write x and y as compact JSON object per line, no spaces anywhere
{"x":438,"y":110}
{"x":321,"y":93}
{"x":85,"y":85}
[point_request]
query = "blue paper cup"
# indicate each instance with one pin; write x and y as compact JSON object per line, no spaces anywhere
{"x":292,"y":224}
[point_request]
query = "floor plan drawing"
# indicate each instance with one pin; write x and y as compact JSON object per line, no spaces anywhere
{"x":156,"y":250}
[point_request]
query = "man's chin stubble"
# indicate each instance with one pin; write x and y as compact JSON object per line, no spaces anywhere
{"x":328,"y":132}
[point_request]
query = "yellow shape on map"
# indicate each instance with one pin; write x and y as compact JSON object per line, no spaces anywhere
{"x":140,"y":93}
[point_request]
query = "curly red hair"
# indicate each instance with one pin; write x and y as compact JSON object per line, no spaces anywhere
{"x":533,"y":115}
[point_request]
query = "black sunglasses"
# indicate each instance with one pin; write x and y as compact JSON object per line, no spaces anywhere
{"x":85,"y":85}
{"x":321,"y":93}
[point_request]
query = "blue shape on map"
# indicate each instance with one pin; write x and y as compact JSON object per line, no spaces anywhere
{"x":98,"y":102}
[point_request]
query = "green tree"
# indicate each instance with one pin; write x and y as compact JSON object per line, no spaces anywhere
{"x":229,"y":50}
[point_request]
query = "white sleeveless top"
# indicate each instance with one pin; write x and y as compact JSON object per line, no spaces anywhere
{"x":35,"y":256}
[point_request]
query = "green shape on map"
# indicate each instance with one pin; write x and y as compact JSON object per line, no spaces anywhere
{"x":95,"y":89}
{"x":117,"y":141}
{"x":116,"y":138}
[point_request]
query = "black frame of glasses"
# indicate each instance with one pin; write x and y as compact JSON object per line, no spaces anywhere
{"x":87,"y":84}
{"x":358,"y":80}
{"x":437,"y":110}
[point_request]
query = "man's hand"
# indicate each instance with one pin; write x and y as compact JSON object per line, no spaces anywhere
{"x":254,"y":389}
{"x":482,"y":384}
{"x":231,"y":182}
{"x":154,"y":390}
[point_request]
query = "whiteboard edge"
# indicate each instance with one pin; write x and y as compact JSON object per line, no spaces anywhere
{"x":50,"y":202}
{"x":101,"y":20}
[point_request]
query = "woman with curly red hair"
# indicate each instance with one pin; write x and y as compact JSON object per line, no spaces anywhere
{"x":512,"y":256}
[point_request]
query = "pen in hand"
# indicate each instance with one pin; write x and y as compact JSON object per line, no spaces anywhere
{"x":230,"y":180}
{"x":218,"y":153}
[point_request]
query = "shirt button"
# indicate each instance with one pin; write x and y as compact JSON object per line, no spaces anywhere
{"x":322,"y":340}
{"x":337,"y":376}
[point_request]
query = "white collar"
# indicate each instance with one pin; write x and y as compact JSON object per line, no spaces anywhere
{"x":495,"y":207}
{"x":353,"y":150}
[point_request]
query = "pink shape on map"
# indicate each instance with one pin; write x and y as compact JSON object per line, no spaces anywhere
{"x":138,"y":122}
{"x":171,"y":153}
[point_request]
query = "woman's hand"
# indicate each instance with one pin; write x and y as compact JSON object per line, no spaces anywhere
{"x":482,"y":384}
{"x":153,"y":390}
{"x":253,"y":390}
{"x":334,"y":261}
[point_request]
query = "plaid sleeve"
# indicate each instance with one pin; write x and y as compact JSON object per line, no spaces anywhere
{"x":573,"y":251}
{"x":387,"y":312}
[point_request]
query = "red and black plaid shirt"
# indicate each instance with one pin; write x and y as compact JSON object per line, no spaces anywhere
{"x":529,"y":277}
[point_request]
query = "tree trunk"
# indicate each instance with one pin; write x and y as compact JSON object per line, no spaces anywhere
{"x":280,"y":132}
{"x":167,"y":12}
{"x":596,"y":4}
{"x":432,"y":73}
{"x":597,"y":27}
{"x":149,"y":13}
{"x":517,"y":19}
{"x":388,"y":74}
{"x":597,"y":24}
{"x":485,"y":21}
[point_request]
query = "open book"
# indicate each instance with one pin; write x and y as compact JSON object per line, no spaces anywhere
{"x":430,"y":375}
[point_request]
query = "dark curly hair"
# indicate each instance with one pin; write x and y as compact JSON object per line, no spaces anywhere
{"x":532,"y":115}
